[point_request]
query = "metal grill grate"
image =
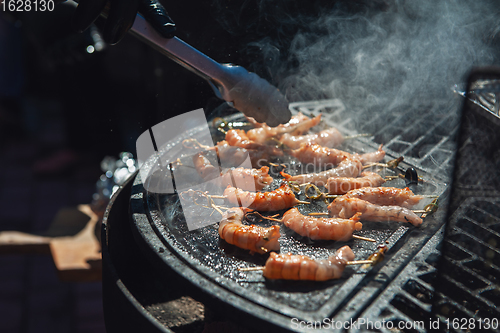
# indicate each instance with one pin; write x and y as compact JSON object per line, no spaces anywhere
{"x":470,"y":266}
{"x":466,"y":273}
{"x":426,"y":140}
{"x":425,"y":137}
{"x":471,"y":275}
{"x":471,"y":261}
{"x":406,"y":303}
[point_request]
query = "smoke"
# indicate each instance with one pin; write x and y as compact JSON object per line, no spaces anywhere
{"x":382,"y":54}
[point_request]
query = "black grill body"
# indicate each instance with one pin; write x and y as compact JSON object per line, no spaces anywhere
{"x":467,"y":288}
{"x":415,"y":289}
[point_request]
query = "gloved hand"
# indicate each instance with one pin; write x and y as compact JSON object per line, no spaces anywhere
{"x":121,"y":17}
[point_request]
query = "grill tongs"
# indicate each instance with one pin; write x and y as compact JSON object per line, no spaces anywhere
{"x":249,"y":93}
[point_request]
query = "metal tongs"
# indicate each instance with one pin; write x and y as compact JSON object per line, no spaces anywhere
{"x":248,"y":93}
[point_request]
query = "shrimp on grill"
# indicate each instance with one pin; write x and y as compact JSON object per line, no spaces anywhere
{"x":281,"y":198}
{"x":299,"y":267}
{"x":339,"y":229}
{"x":235,"y":156}
{"x":386,"y":196}
{"x":238,"y":137}
{"x":204,"y":167}
{"x":261,"y":135}
{"x":342,"y":185}
{"x":244,"y":178}
{"x":373,"y":157}
{"x":232,"y":155}
{"x":264,"y":133}
{"x":296,"y":119}
{"x":248,"y":237}
{"x":348,"y":207}
{"x":330,"y":137}
{"x":350,"y":166}
{"x":297,"y":125}
{"x":312,"y":153}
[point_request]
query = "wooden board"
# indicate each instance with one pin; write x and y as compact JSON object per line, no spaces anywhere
{"x":78,"y":258}
{"x":71,"y":240}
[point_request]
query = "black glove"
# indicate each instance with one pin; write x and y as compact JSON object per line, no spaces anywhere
{"x":121,"y":16}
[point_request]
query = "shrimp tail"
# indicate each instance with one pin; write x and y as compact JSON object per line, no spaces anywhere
{"x":356,"y":218}
{"x":300,"y":267}
{"x":285,"y":175}
{"x":254,"y":238}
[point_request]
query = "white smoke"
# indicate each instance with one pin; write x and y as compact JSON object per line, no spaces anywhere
{"x":407,"y":52}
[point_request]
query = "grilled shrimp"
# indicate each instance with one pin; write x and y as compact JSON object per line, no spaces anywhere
{"x":339,"y":229}
{"x":386,"y":196}
{"x":350,"y":166}
{"x":248,"y":237}
{"x":348,"y":207}
{"x":299,"y":267}
{"x":298,"y":118}
{"x":311,"y":153}
{"x":231,"y":155}
{"x":244,"y":178}
{"x":238,"y":137}
{"x":342,"y":185}
{"x":281,"y":198}
{"x":323,"y":156}
{"x":372,"y":157}
{"x":260,"y":135}
{"x":235,"y":156}
{"x":330,"y":137}
{"x":298,"y":124}
{"x":204,"y":166}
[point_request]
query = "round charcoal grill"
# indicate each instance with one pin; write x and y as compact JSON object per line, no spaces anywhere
{"x":152,"y":249}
